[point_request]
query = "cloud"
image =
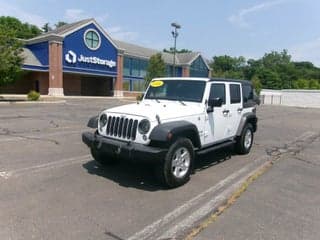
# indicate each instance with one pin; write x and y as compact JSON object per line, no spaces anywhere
{"x":119,"y":33}
{"x":307,"y":51}
{"x":239,"y":19}
{"x":11,"y":10}
{"x":73,"y":15}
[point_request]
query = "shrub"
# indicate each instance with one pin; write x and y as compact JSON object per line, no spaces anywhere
{"x":33,"y":96}
{"x":139,"y":97}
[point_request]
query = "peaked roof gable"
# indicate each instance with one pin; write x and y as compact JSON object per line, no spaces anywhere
{"x":61,"y":32}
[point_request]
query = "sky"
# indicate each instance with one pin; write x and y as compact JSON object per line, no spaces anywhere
{"x":248,"y":28}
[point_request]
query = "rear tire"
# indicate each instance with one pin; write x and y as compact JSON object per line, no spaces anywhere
{"x":177,"y":166}
{"x":102,"y":158}
{"x":245,"y":141}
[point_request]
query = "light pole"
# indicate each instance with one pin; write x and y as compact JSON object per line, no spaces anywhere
{"x":175,"y":35}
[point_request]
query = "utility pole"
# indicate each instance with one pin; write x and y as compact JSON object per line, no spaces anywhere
{"x":175,"y":35}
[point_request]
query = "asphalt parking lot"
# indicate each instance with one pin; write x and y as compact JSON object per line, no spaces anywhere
{"x":50,"y":187}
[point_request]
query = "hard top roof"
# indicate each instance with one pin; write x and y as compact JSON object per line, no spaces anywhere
{"x":230,"y":80}
{"x":205,"y":79}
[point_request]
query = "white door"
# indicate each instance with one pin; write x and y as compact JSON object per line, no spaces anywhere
{"x":235,"y":107}
{"x":216,"y":122}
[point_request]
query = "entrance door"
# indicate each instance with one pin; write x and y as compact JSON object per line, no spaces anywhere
{"x":96,"y":86}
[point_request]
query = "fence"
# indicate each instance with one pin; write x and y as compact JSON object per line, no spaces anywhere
{"x":297,"y":98}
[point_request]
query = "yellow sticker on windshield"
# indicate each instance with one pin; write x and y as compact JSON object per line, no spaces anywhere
{"x":157,"y":83}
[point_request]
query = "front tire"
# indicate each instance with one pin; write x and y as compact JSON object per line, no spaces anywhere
{"x":177,"y":166}
{"x":102,"y":158}
{"x":245,"y":141}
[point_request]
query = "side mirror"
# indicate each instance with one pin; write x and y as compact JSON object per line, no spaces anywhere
{"x":257,"y":99}
{"x":214,"y":102}
{"x":140,"y":97}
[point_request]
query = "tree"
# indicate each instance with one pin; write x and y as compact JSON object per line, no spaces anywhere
{"x":274,"y":70}
{"x":60,"y":24}
{"x":19,"y":29}
{"x":46,"y":28}
{"x":227,"y":63}
{"x":228,"y":67}
{"x":171,"y":50}
{"x":269,"y":79}
{"x":257,"y":84}
{"x":10,"y":56}
{"x":314,"y":84}
{"x":274,"y":59}
{"x":156,"y":68}
{"x":301,"y":84}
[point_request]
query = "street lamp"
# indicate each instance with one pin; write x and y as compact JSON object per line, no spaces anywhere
{"x":175,"y":35}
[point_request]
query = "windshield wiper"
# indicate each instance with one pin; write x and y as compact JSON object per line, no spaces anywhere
{"x":180,"y":101}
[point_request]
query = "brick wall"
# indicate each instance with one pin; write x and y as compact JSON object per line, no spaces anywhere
{"x":185,"y":71}
{"x":27,"y":82}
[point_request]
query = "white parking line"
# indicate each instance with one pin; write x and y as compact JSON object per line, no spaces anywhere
{"x":203,"y":210}
{"x":149,"y":231}
{"x":46,"y":166}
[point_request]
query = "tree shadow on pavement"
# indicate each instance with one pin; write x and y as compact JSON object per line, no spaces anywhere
{"x":142,"y":176}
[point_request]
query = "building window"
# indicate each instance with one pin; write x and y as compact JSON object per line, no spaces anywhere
{"x":169,"y":71}
{"x":92,"y":39}
{"x":127,"y":66}
{"x":126,"y":85}
{"x":135,"y":67}
{"x":143,"y":68}
{"x":135,"y":70}
{"x":138,"y":85}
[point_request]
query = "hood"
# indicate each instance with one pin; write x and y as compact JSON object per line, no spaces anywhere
{"x":165,"y":109}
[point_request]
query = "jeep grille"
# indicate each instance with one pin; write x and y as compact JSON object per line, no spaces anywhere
{"x":122,"y":127}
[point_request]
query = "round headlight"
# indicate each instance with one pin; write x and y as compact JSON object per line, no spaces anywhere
{"x":103,"y":120}
{"x":144,"y":126}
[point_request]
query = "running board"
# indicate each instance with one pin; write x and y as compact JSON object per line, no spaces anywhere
{"x":216,"y":147}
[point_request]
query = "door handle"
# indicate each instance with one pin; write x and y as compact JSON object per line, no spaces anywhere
{"x":240,"y":110}
{"x":225,"y":112}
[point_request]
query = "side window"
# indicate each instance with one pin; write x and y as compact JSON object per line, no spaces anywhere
{"x":235,"y":95}
{"x":218,"y":90}
{"x":247,"y":93}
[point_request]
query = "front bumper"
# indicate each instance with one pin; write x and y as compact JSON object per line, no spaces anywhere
{"x":125,"y":150}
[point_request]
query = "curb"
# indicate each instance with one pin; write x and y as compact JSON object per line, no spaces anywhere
{"x":31,"y":102}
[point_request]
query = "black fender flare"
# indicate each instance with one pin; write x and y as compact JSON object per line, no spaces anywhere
{"x":167,"y":132}
{"x":93,"y":122}
{"x":247,"y":117}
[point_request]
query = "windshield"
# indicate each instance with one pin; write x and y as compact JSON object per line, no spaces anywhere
{"x":177,"y":90}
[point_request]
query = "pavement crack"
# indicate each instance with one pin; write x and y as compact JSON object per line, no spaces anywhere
{"x":306,"y":161}
{"x":37,"y":139}
{"x":7,"y":132}
{"x":293,"y":148}
{"x":114,"y":236}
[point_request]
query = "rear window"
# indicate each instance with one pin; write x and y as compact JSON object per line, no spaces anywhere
{"x":235,"y":94}
{"x":247,"y":93}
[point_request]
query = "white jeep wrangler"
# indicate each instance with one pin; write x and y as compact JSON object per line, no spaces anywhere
{"x":176,"y":119}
